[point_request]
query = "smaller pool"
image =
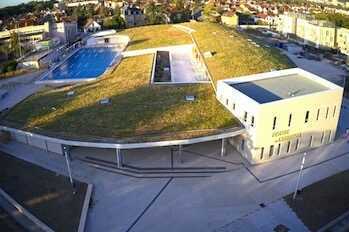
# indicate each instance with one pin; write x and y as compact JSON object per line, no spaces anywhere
{"x":86,"y":63}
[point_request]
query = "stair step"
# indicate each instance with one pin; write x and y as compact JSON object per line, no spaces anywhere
{"x":147,"y":175}
{"x":158,"y":170}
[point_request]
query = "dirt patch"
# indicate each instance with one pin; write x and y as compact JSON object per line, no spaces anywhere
{"x":322,"y":202}
{"x":45,"y":194}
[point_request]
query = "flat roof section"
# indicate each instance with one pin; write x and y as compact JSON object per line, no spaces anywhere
{"x":283,"y":87}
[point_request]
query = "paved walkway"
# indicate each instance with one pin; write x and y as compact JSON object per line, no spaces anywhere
{"x":267,"y":219}
{"x":123,"y":203}
{"x":19,"y":88}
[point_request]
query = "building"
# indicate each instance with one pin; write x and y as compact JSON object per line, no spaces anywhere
{"x":27,"y":34}
{"x":92,"y":26}
{"x":66,"y":32}
{"x":287,"y":24}
{"x":320,"y":34}
{"x":133,"y":16}
{"x":317,"y":33}
{"x":343,"y":40}
{"x":230,"y":19}
{"x":284,"y":112}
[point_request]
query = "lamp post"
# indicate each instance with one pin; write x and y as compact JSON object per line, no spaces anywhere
{"x":299,"y":176}
{"x":65,"y":150}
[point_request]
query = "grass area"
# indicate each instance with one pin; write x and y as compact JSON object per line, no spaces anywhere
{"x":138,"y":111}
{"x":142,"y":112}
{"x":45,"y":194}
{"x":234,"y":55}
{"x":155,"y":36}
{"x":322,"y":202}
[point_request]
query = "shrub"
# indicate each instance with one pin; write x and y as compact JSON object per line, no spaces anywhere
{"x":9,"y":66}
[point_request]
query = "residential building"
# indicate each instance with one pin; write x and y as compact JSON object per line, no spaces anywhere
{"x":65,"y":31}
{"x":287,"y":24}
{"x":230,"y":19}
{"x":92,"y":26}
{"x":27,"y":34}
{"x":317,"y":33}
{"x":284,"y":112}
{"x":343,"y":40}
{"x":133,"y":16}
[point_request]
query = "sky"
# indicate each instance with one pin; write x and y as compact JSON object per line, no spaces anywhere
{"x":4,"y":3}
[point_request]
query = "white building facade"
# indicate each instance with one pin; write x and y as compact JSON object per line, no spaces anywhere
{"x":284,"y":112}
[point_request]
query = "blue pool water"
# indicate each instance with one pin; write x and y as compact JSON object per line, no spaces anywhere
{"x":84,"y":64}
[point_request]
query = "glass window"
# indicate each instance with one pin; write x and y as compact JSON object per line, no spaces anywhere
{"x":289,"y":120}
{"x":288,"y":146}
{"x":271,"y":150}
{"x":245,"y":116}
{"x":274,"y":123}
{"x":227,"y":101}
{"x":262,"y":153}
{"x":234,"y":106}
{"x":318,"y":113}
{"x":242,"y":144}
{"x":334,"y":111}
{"x":306,"y":117}
{"x":297,"y":143}
{"x":252,"y":121}
{"x":327,"y":113}
{"x":279,"y":148}
{"x":322,"y":137}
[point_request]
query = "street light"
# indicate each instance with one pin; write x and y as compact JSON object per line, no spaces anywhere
{"x":65,"y":150}
{"x":299,"y":176}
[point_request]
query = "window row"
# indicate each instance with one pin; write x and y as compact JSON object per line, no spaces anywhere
{"x":307,"y":116}
{"x":292,"y":147}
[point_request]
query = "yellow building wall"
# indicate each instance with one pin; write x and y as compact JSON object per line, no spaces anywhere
{"x":231,"y":21}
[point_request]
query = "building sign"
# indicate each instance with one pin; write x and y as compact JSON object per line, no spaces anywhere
{"x":281,"y":136}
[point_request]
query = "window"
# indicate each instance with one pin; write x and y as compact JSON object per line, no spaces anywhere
{"x":289,"y":120}
{"x":227,"y":101}
{"x":278,"y":150}
{"x":288,"y":146}
{"x":334,"y":111}
{"x":274,"y":123}
{"x":262,"y":153}
{"x":322,"y":137}
{"x":271,"y":150}
{"x":234,"y":106}
{"x":329,"y":136}
{"x":242,"y":144}
{"x":245,"y":117}
{"x":310,"y":141}
{"x":252,"y":121}
{"x":297,"y":144}
{"x":318,"y":113}
{"x":306,"y":117}
{"x":327,"y":113}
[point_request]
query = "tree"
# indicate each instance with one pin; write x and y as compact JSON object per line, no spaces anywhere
{"x":115,"y":22}
{"x":209,"y":8}
{"x":14,"y":46}
{"x":155,"y":13}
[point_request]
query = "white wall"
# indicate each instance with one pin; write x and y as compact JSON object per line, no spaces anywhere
{"x":262,"y":135}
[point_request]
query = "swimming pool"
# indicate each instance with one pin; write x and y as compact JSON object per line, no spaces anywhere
{"x":86,"y":63}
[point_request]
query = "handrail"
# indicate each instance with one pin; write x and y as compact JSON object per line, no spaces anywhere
{"x":237,"y":131}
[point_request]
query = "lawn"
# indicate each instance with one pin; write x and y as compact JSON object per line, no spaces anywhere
{"x":322,"y":202}
{"x":138,"y":111}
{"x":142,"y":112}
{"x":45,"y":194}
{"x":234,"y":55}
{"x":155,"y":36}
